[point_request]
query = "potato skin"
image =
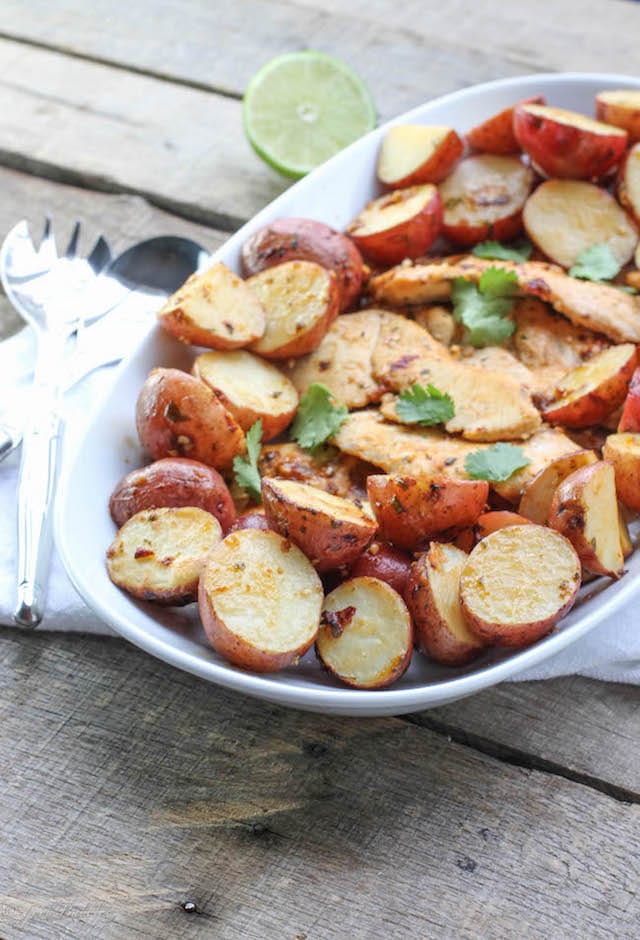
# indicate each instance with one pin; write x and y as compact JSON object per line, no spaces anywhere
{"x":172,"y":481}
{"x":384,"y":562}
{"x":490,"y":522}
{"x":623,"y":452}
{"x":495,"y":135}
{"x":537,"y":497}
{"x":179,"y":416}
{"x":411,"y":512}
{"x":306,"y":240}
{"x":408,"y":238}
{"x":630,"y":417}
{"x":443,"y":155}
{"x":252,"y":519}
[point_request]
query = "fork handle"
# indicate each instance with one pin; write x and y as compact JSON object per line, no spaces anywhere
{"x":36,"y":485}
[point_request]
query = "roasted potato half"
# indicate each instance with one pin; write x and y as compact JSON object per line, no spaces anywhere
{"x":331,"y":531}
{"x":518,"y":583}
{"x":629,"y":184}
{"x":412,"y":511}
{"x":622,"y":109}
{"x":251,"y":519}
{"x":630,"y":417}
{"x":497,"y":519}
{"x":366,"y":634}
{"x":177,"y":415}
{"x":172,"y":481}
{"x":251,"y":389}
{"x":585,"y":510}
{"x":401,"y":224}
{"x":622,"y":451}
{"x":300,"y":301}
{"x":158,"y":554}
{"x":538,"y":494}
{"x":433,"y":599}
{"x":411,"y":154}
{"x":386,"y":563}
{"x":495,"y":135}
{"x":215,"y":309}
{"x":260,"y":601}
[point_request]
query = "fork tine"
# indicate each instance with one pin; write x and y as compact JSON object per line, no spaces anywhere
{"x":100,"y":255}
{"x":47,"y":250}
{"x":72,"y":247}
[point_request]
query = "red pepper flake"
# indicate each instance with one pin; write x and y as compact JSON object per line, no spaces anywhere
{"x":337,"y":620}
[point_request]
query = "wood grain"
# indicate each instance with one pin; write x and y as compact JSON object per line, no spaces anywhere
{"x":130,"y":788}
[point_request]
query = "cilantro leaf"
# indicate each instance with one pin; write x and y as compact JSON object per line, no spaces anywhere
{"x":596,"y":263}
{"x":495,"y":463}
{"x":483,"y":309}
{"x":245,"y":467}
{"x":318,"y":418}
{"x":518,"y":251}
{"x":424,"y":406}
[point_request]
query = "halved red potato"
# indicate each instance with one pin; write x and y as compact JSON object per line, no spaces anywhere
{"x":330,"y":530}
{"x":629,"y":183}
{"x":260,"y":600}
{"x":564,"y":217}
{"x":495,"y":135}
{"x":585,"y":510}
{"x":621,"y":108}
{"x":215,"y":309}
{"x":433,"y":599}
{"x":300,"y":300}
{"x":622,"y":451}
{"x":385,"y":562}
{"x":251,"y":519}
{"x":518,"y":583}
{"x":158,"y":554}
{"x":251,"y":389}
{"x":538,"y":494}
{"x":417,"y":153}
{"x":483,"y":199}
{"x":366,"y":635}
{"x":401,"y":224}
{"x":591,"y":391}
{"x":177,"y":415}
{"x":567,"y":144}
{"x":412,"y":511}
{"x":630,"y":417}
{"x":626,"y":544}
{"x":172,"y":481}
{"x":497,"y":519}
{"x":306,"y":240}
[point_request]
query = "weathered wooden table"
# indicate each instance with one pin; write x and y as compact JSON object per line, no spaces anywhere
{"x":138,"y":801}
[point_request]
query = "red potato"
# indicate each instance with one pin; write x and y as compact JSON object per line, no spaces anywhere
{"x":366,"y":635}
{"x":590,"y":392}
{"x":179,"y":416}
{"x":629,"y":183}
{"x":300,"y":301}
{"x":622,"y":451}
{"x":495,"y":135}
{"x":251,"y":389}
{"x":215,"y":309}
{"x":432,"y":596}
{"x":483,"y":199}
{"x":626,"y":544}
{"x":158,"y":554}
{"x":538,"y":494}
{"x":622,"y":109}
{"x":384,"y":562}
{"x":252,"y":519}
{"x":518,"y":583}
{"x":565,"y":217}
{"x":402,"y":224}
{"x":260,"y":601}
{"x":330,"y":530}
{"x":412,"y":511}
{"x":306,"y":240}
{"x":497,"y":519}
{"x":585,"y":510}
{"x":411,"y":154}
{"x":172,"y":481}
{"x":567,"y":144}
{"x":630,"y":417}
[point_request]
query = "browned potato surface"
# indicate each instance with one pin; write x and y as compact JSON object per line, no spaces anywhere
{"x":177,"y":415}
{"x":172,"y":481}
{"x":385,"y":562}
{"x":251,"y":389}
{"x":585,"y":510}
{"x":260,"y":601}
{"x":158,"y":554}
{"x":411,"y":154}
{"x":622,"y":109}
{"x":300,"y":301}
{"x":214,"y":309}
{"x":622,"y":451}
{"x":306,"y":240}
{"x":366,"y":635}
{"x":518,"y":583}
{"x":410,"y":511}
{"x":432,"y":596}
{"x":538,"y":493}
{"x":401,"y":224}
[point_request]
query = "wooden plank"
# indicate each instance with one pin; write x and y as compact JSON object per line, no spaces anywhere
{"x":131,"y":791}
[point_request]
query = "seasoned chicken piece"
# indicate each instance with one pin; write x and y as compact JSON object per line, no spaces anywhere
{"x":326,"y":468}
{"x":498,"y":359}
{"x":543,"y":338}
{"x":415,"y":452}
{"x":438,"y":320}
{"x":597,"y":307}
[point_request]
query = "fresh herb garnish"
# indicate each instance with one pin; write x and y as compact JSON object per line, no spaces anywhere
{"x":495,"y":463}
{"x":519,"y":251}
{"x":596,"y":263}
{"x":245,"y":468}
{"x":319,"y":417}
{"x":424,"y":406}
{"x":483,"y":308}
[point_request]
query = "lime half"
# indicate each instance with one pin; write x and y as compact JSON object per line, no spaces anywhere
{"x":303,"y":107}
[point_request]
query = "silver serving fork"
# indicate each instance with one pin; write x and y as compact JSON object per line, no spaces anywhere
{"x":54,"y":295}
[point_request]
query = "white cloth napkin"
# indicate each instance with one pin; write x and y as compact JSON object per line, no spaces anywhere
{"x":611,"y":651}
